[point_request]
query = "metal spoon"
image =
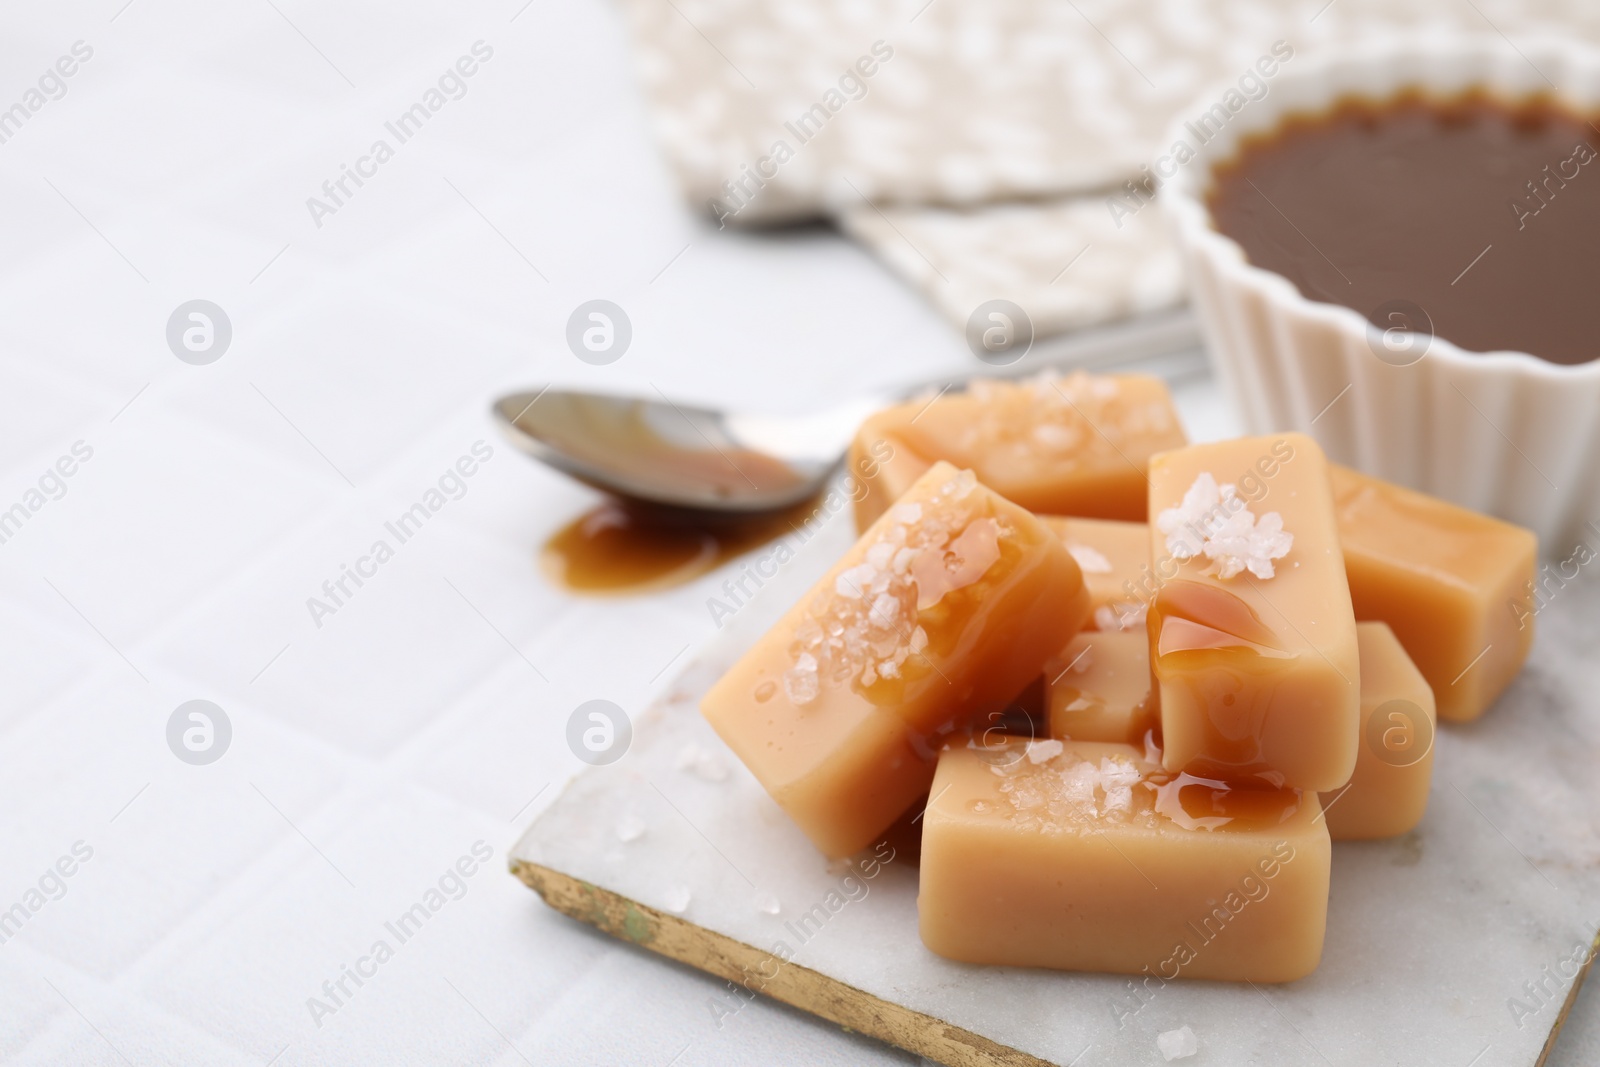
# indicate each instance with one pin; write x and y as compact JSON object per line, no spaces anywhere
{"x":666,"y":453}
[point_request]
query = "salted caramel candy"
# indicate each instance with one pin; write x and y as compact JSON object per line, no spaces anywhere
{"x":1252,"y":636}
{"x":1388,"y":791}
{"x":1098,"y":688}
{"x":1090,"y":857}
{"x":1061,"y":445}
{"x":1456,"y":587}
{"x":1114,"y":557}
{"x":943,"y":611}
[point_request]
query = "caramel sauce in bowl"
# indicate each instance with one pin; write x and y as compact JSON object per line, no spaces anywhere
{"x":1442,"y":338}
{"x":1482,"y":212}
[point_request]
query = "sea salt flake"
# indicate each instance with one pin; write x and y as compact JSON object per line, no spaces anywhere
{"x":702,"y":763}
{"x":1041,"y":751}
{"x":676,"y":899}
{"x":1120,"y":615}
{"x":1102,"y":387}
{"x":1118,"y":772}
{"x":800,"y":684}
{"x":1117,"y":780}
{"x":1185,"y":538}
{"x":1177,"y":1044}
{"x":768,"y":904}
{"x":885,"y":611}
{"x":1090,"y":560}
{"x":1054,"y":437}
{"x":906,"y":513}
{"x":1078,"y":786}
{"x":1214,"y":521}
{"x":850,"y":583}
{"x":630,"y":828}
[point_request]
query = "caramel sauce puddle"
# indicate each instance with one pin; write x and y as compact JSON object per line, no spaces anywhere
{"x":621,"y":547}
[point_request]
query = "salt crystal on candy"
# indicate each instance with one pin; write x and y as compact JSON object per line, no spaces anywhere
{"x":1090,"y":560}
{"x":1177,"y":1044}
{"x":1040,"y":751}
{"x":1214,"y":521}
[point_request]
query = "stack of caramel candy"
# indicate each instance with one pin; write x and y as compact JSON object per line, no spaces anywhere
{"x":1130,"y":688}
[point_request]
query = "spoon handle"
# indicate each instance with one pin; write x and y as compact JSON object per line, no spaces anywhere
{"x":1167,"y":344}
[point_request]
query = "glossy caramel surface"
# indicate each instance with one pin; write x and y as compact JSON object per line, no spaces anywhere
{"x":1257,"y":674}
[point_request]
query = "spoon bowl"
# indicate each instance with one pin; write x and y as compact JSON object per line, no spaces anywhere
{"x":679,"y":455}
{"x":661,"y":452}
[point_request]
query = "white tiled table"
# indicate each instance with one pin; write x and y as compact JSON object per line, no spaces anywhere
{"x":371,"y":753}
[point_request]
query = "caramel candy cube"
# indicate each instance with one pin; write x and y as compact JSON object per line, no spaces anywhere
{"x":1086,"y":857}
{"x":1455,"y":586}
{"x":1252,"y":636}
{"x":943,"y":611}
{"x":1099,"y":689}
{"x":1068,"y":445}
{"x":1388,"y":791}
{"x":1115,"y":558}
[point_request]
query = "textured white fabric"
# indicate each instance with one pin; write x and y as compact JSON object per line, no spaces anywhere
{"x":1041,"y":108}
{"x":1066,"y":262}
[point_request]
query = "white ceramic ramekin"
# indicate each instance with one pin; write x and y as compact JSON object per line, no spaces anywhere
{"x":1502,"y":432}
